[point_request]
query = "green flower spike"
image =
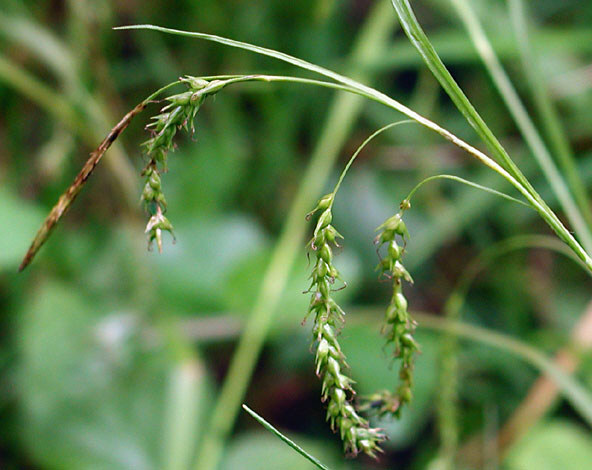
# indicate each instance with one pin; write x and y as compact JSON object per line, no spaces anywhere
{"x":398,"y":326}
{"x":330,"y":364}
{"x":178,"y":113}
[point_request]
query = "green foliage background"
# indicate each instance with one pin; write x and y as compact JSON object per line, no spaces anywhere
{"x":111,"y":356}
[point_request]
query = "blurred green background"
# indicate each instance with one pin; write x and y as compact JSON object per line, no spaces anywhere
{"x":112,"y":356}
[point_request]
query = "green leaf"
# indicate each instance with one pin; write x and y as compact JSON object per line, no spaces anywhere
{"x":552,"y":445}
{"x":93,"y":392}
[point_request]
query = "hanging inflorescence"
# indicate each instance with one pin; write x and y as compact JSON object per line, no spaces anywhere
{"x":179,"y":113}
{"x":398,"y":325}
{"x":337,"y":390}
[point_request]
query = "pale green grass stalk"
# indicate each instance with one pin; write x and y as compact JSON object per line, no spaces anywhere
{"x":46,"y":98}
{"x":96,"y":117}
{"x":518,"y":181}
{"x":453,"y":47}
{"x":547,"y":112}
{"x":288,"y":441}
{"x":513,"y":175}
{"x":524,"y":122}
{"x":466,"y":182}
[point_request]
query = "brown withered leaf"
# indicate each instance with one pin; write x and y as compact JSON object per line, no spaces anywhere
{"x":67,"y":198}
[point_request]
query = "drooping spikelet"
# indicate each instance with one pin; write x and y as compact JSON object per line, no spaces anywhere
{"x":178,"y":113}
{"x":398,"y":325}
{"x":337,"y":390}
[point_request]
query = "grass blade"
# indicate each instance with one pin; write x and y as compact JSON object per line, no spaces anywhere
{"x":523,"y":121}
{"x":509,"y":169}
{"x":549,"y":118}
{"x":291,"y":443}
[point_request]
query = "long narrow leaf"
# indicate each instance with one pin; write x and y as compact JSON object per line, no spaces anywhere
{"x":291,"y":443}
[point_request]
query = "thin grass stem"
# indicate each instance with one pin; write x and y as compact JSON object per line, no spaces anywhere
{"x":458,"y":179}
{"x":288,"y":441}
{"x":519,"y":182}
{"x":361,"y":147}
{"x":447,"y":398}
{"x":572,"y":390}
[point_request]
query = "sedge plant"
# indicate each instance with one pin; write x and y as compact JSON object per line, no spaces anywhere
{"x":344,"y":411}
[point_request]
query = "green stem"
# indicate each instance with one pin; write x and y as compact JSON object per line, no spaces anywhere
{"x":577,"y":395}
{"x":518,"y":181}
{"x":44,"y":97}
{"x":361,"y":147}
{"x":291,"y":443}
{"x":458,"y":179}
{"x":431,"y":58}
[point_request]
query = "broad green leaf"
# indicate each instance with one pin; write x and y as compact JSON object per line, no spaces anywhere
{"x":552,"y":445}
{"x":95,"y":393}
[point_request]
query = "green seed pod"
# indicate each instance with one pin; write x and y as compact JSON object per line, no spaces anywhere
{"x":391,"y":313}
{"x":330,"y":234}
{"x":387,"y":235}
{"x":322,"y":355}
{"x":394,"y":250}
{"x":345,"y":424}
{"x":351,"y":436}
{"x":326,"y":254}
{"x":321,"y":269}
{"x":181,"y":99}
{"x":408,"y":341}
{"x":154,"y":181}
{"x":148,"y":194}
{"x":342,"y":381}
{"x":333,"y":273}
{"x":333,"y":410}
{"x":325,"y":219}
{"x":402,"y":230}
{"x":161,"y":200}
{"x":324,"y":288}
{"x":194,"y":83}
{"x":329,"y":335}
{"x":400,"y":302}
{"x":325,"y":202}
{"x":339,"y":397}
{"x":333,"y":368}
{"x":399,"y":272}
{"x":319,"y":239}
{"x":384,"y":266}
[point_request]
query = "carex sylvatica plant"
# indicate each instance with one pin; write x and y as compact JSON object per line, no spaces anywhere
{"x":343,"y":409}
